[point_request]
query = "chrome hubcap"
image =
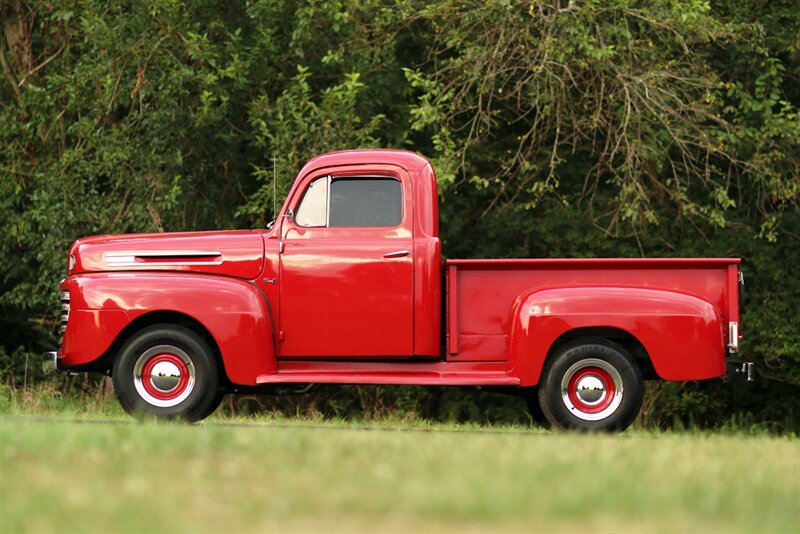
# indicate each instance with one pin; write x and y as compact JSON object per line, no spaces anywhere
{"x":164,"y":376}
{"x":592,"y":389}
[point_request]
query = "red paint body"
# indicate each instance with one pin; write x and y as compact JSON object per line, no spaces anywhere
{"x":363,"y":305}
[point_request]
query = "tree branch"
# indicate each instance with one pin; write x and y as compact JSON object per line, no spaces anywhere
{"x":41,"y":65}
{"x":7,"y":69}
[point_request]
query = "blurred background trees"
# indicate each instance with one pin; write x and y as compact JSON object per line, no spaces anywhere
{"x":558,"y":129}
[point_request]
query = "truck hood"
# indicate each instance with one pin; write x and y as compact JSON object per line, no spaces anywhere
{"x":237,"y":253}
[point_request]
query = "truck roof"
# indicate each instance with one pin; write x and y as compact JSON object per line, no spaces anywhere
{"x":410,"y":161}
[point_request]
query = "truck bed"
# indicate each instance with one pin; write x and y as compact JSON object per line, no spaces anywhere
{"x":482,"y":293}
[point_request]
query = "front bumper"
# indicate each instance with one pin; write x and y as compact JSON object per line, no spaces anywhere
{"x":51,"y":362}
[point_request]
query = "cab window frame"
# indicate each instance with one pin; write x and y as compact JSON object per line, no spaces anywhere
{"x":330,"y":179}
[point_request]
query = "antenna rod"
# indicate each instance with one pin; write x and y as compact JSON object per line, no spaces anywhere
{"x":274,"y":179}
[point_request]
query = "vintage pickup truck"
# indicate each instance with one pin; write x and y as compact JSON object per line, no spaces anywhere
{"x":347,"y":286}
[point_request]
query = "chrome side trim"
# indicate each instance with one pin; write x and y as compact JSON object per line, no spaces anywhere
{"x":182,"y":257}
{"x":733,"y":336}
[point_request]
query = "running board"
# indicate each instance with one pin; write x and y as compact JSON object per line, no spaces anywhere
{"x":429,"y":374}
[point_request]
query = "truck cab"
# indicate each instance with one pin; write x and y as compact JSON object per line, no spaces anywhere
{"x":357,"y":259}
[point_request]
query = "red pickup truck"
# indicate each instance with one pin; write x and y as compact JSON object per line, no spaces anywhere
{"x":348,"y":286}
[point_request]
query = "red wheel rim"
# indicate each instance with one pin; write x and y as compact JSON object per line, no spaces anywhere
{"x":151,"y":387}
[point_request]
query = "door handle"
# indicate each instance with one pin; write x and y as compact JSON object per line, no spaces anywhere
{"x":397,"y":254}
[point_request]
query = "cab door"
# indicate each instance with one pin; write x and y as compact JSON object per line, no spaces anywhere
{"x":346,"y":270}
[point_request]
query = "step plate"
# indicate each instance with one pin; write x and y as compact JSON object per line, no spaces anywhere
{"x":436,"y":374}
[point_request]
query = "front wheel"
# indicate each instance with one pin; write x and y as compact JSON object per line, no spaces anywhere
{"x":167,"y":371}
{"x":591,"y":384}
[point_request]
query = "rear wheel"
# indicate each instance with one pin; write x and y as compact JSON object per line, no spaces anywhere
{"x":167,"y":372}
{"x":591,"y":384}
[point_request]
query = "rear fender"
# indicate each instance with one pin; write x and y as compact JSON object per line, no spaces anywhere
{"x":681,"y":333}
{"x":235,"y":313}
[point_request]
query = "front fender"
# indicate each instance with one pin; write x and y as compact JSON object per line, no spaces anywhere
{"x":233,"y":311}
{"x":681,"y":333}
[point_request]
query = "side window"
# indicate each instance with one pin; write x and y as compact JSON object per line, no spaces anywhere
{"x":343,"y":202}
{"x":366,"y":202}
{"x":313,"y":209}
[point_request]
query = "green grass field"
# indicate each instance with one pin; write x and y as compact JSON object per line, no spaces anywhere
{"x":300,"y":475}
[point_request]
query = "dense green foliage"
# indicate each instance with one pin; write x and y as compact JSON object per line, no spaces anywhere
{"x":558,"y":128}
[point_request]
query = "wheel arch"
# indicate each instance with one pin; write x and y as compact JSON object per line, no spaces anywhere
{"x":163,"y":317}
{"x":616,"y":335}
{"x":680,"y":335}
{"x":232,"y":313}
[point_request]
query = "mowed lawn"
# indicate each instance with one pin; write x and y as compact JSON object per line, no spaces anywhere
{"x":128,"y":477}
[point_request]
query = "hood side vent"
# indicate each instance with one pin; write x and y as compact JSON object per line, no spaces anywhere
{"x":163,"y":258}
